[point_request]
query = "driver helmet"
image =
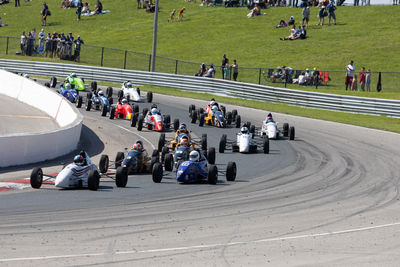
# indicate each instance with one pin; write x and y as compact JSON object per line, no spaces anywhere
{"x":212,"y":103}
{"x":269,"y":119}
{"x":137,"y":147}
{"x":73,"y":75}
{"x":78,"y":160}
{"x":182,"y":128}
{"x":26,"y":76}
{"x":67,"y":86}
{"x":214,"y":108}
{"x":124,"y":101}
{"x":129,"y":85}
{"x":184,"y":142}
{"x":154,"y":111}
{"x":194,"y":156}
{"x":244,"y":130}
{"x":101,"y":93}
{"x":140,"y":143}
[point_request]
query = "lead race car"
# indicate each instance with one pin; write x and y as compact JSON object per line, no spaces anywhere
{"x":244,"y":142}
{"x":153,"y":120}
{"x":196,"y":169}
{"x":76,"y":82}
{"x":133,"y":94}
{"x":79,"y":174}
{"x":70,"y":94}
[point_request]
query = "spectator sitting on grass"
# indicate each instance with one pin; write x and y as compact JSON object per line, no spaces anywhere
{"x":85,"y":8}
{"x":210,"y":72}
{"x":277,"y":74}
{"x":308,"y":76}
{"x":2,"y":25}
{"x":293,"y":34}
{"x":282,"y":24}
{"x":98,"y":8}
{"x":255,"y":12}
{"x":66,"y":4}
{"x":150,"y":8}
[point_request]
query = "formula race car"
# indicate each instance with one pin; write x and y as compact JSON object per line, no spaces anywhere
{"x":76,"y":82}
{"x":123,"y":110}
{"x":214,"y":116}
{"x":244,"y":142}
{"x":71,"y":94}
{"x":193,"y":142}
{"x":133,"y":94}
{"x":98,"y":101}
{"x":196,"y":169}
{"x":153,"y":120}
{"x":270,"y":129}
{"x":79,"y":174}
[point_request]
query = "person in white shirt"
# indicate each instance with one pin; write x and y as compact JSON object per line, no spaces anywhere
{"x":302,"y":79}
{"x":308,"y":76}
{"x":349,"y":73}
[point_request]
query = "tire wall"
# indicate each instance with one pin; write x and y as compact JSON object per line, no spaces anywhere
{"x":20,"y":149}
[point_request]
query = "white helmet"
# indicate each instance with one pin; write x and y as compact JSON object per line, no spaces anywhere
{"x":212,"y":103}
{"x":154,"y":111}
{"x":214,"y":108}
{"x":101,"y":93}
{"x":26,"y":76}
{"x":129,"y":85}
{"x":68,"y":86}
{"x":124,"y":101}
{"x":73,"y":75}
{"x":194,"y":156}
{"x":244,"y":130}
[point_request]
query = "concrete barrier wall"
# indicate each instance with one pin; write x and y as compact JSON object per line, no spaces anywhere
{"x":20,"y":149}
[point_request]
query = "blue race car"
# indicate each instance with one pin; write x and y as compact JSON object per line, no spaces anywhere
{"x":196,"y":169}
{"x":71,"y":94}
{"x":99,"y":101}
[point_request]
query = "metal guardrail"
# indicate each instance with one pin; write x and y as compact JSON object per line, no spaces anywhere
{"x":363,"y":105}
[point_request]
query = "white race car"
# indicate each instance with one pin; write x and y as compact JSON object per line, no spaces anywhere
{"x":79,"y":174}
{"x":244,"y":142}
{"x":133,"y":94}
{"x":271,"y":130}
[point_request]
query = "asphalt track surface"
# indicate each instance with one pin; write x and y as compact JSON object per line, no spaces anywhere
{"x":329,"y":198}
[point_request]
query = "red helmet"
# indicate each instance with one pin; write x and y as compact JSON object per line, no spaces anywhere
{"x":137,"y":147}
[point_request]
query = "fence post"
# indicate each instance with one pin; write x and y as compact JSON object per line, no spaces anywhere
{"x":149,"y":63}
{"x":176,"y":67}
{"x":259,"y":77}
{"x":102,"y":52}
{"x":125,"y":60}
{"x":7,"y":46}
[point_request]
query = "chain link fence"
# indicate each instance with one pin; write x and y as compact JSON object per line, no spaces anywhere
{"x":125,"y":59}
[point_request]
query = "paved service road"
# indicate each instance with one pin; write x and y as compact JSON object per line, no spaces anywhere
{"x":329,"y":198}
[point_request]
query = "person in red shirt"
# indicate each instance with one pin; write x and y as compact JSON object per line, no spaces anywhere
{"x":180,"y":14}
{"x":362,"y":78}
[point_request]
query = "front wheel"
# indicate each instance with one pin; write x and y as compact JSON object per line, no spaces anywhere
{"x":266,"y":144}
{"x":93,"y":180}
{"x":93,"y":85}
{"x":112,"y":112}
{"x":140,"y":123}
{"x":36,"y":178}
{"x":211,"y":155}
{"x":161,"y":142}
{"x":149,"y":97}
{"x":169,"y":162}
{"x":79,"y":102}
{"x":121,"y":177}
{"x":222,"y":143}
{"x":109,"y":91}
{"x":103,"y":164}
{"x":212,"y":175}
{"x":291,"y":133}
{"x":88,"y":104}
{"x":201,"y":120}
{"x":134,"y":119}
{"x":157,"y":172}
{"x":231,"y":171}
{"x":237,"y":121}
{"x":176,"y":124}
{"x":103,"y":110}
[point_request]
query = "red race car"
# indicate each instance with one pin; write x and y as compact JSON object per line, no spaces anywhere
{"x":153,"y":120}
{"x":123,"y":110}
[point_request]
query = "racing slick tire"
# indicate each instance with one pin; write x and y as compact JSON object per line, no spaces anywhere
{"x":149,"y":126}
{"x":229,"y":118}
{"x":138,"y":91}
{"x":121,"y":177}
{"x":201,"y":120}
{"x":286,"y":129}
{"x":134,"y":119}
{"x":93,"y":85}
{"x":145,"y":110}
{"x":53,"y":82}
{"x":103,"y":110}
{"x":109,"y":91}
{"x":212,"y":175}
{"x":176,"y":124}
{"x":47,"y":85}
{"x":155,"y":153}
{"x":119,"y":159}
{"x":266,"y":144}
{"x":112,"y":113}
{"x":140,"y":123}
{"x":110,"y":100}
{"x":103,"y":164}
{"x":237,"y":121}
{"x":36,"y":178}
{"x":194,"y":116}
{"x":211,"y":155}
{"x":88,"y":104}
{"x":223,"y":109}
{"x":169,"y":162}
{"x":89,"y":95}
{"x":93,"y":180}
{"x":234,"y":114}
{"x":252,"y":129}
{"x":149,"y":97}
{"x":231,"y":171}
{"x":179,"y":163}
{"x":161,"y":142}
{"x":135,"y":108}
{"x":222,"y":143}
{"x":157,"y":172}
{"x":191,"y":108}
{"x":153,"y":161}
{"x":291,"y":133}
{"x":204,"y":142}
{"x":201,"y":111}
{"x":164,"y":152}
{"x":167,"y":120}
{"x":120,"y":93}
{"x":248,"y":124}
{"x":79,"y":101}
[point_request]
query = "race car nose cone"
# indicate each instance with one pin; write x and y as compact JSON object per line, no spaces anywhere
{"x":128,"y":115}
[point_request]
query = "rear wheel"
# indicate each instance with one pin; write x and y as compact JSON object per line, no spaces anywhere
{"x":161,"y":141}
{"x":157,"y":172}
{"x":103,"y":164}
{"x":212,"y":175}
{"x":121,"y":177}
{"x":145,"y":110}
{"x":149,"y":97}
{"x":164,"y":152}
{"x":237,"y":122}
{"x":191,"y":108}
{"x":194,"y":116}
{"x":53,"y":82}
{"x":231,"y":171}
{"x":266,"y":144}
{"x":93,"y":180}
{"x":167,"y":120}
{"x":223,"y":109}
{"x":222,"y":143}
{"x":140,"y":123}
{"x":229,"y":117}
{"x":103,"y":110}
{"x":248,"y":124}
{"x":93,"y":85}
{"x":112,"y":113}
{"x":176,"y":124}
{"x":234,"y":114}
{"x":291,"y":133}
{"x":138,"y":91}
{"x":88,"y":104}
{"x":89,"y":95}
{"x":252,"y":129}
{"x":120,"y":93}
{"x":36,"y":178}
{"x":119,"y":159}
{"x":153,"y":161}
{"x":135,"y":108}
{"x":155,"y":154}
{"x":169,"y":162}
{"x":204,"y":142}
{"x":211,"y":155}
{"x":109,"y":91}
{"x":201,"y":120}
{"x":110,"y":100}
{"x":79,"y":101}
{"x":286,"y":129}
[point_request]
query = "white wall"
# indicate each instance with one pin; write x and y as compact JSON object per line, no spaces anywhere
{"x":20,"y":149}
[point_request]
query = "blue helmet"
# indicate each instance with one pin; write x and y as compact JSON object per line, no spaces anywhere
{"x":78,"y":160}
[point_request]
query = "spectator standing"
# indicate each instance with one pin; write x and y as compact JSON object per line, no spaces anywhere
{"x":349,"y":73}
{"x":295,"y":1}
{"x":368,"y":80}
{"x":54,"y":44}
{"x":63,"y":41}
{"x":321,"y":15}
{"x":139,"y":4}
{"x":70,"y":41}
{"x":33,"y":35}
{"x":180,"y":14}
{"x":48,"y":44}
{"x":354,"y":83}
{"x":17,"y":2}
{"x":29,"y":44}
{"x":235,"y":69}
{"x":226,"y":71}
{"x":23,"y":43}
{"x":210,"y":72}
{"x":331,"y":13}
{"x":224,"y":61}
{"x":79,"y":10}
{"x":41,"y":36}
{"x":356,"y":2}
{"x":78,"y":42}
{"x":362,"y":79}
{"x":306,"y":16}
{"x":45,"y":10}
{"x":59,"y":46}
